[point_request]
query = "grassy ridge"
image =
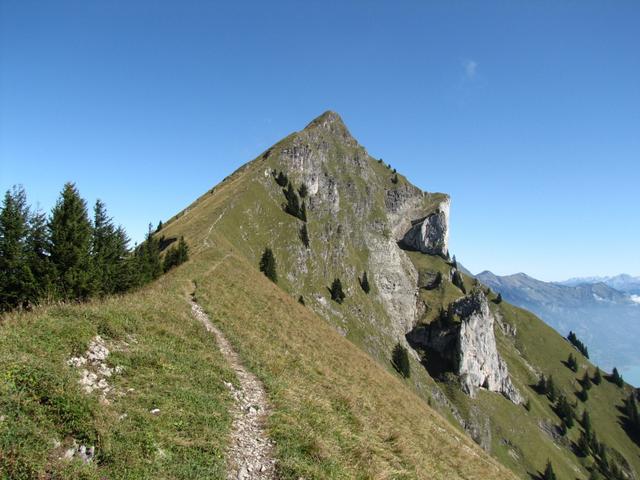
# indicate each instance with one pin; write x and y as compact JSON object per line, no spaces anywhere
{"x":337,"y":413}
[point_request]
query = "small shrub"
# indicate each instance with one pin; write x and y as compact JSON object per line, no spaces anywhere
{"x":400,"y":360}
{"x":268,"y":265}
{"x":364,"y":283}
{"x":337,"y":294}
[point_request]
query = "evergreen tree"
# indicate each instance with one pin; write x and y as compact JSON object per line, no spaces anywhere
{"x":616,"y":378}
{"x":302,"y":215}
{"x":17,"y":283}
{"x":597,"y":376}
{"x":126,"y":275}
{"x":70,"y":245}
{"x":564,"y":411}
{"x":176,"y":255}
{"x":400,"y":360}
{"x":551,"y":389}
{"x":148,"y":255}
{"x":105,"y":254}
{"x":292,"y":207}
{"x":499,"y":298}
{"x":337,"y":294}
{"x":301,"y":300}
{"x":582,"y":348}
{"x":583,"y":445}
{"x":364,"y":283}
{"x":572,"y":363}
{"x":583,"y":395}
{"x":631,"y":411}
{"x":304,"y":235}
{"x":586,"y":423}
{"x":549,"y":474}
{"x":586,"y":381}
{"x":159,"y":227}
{"x":394,"y":179}
{"x":303,"y":190}
{"x":281,"y":179}
{"x":38,"y":256}
{"x":268,"y":265}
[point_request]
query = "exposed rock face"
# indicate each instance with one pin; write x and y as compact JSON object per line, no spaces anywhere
{"x":468,"y":347}
{"x":431,"y":233}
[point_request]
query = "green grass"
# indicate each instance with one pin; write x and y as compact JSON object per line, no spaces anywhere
{"x":170,"y":363}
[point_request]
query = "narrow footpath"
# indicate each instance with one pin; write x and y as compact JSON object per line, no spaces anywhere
{"x":250,"y":454}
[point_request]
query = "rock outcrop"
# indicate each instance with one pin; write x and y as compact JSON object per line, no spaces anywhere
{"x":466,"y":344}
{"x":430,"y":234}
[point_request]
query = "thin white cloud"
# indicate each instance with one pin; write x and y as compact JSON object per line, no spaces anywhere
{"x":470,"y":68}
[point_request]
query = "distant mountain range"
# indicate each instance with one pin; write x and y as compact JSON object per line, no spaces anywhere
{"x":603,"y":311}
{"x":623,"y":283}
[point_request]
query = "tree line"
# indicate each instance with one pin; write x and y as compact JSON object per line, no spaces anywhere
{"x":68,"y":256}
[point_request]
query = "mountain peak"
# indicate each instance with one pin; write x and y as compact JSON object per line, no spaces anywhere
{"x":330,"y":122}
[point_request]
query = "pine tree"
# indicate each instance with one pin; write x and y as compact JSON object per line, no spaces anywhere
{"x":499,"y":298}
{"x":551,"y":389}
{"x":597,"y":376}
{"x":549,"y":474}
{"x":176,"y":255}
{"x":616,"y":378}
{"x":364,"y":283}
{"x":585,"y":421}
{"x":303,"y":190}
{"x":458,"y":282}
{"x":127,"y":274}
{"x":268,"y":265}
{"x":394,"y":179}
{"x":148,"y":255}
{"x":301,"y":300}
{"x":583,"y":395}
{"x":292,"y":207}
{"x":159,"y":227}
{"x":17,"y":283}
{"x":70,"y":247}
{"x":281,"y":179}
{"x":104,"y":250}
{"x":302,"y":215}
{"x":564,"y":411}
{"x":337,"y":294}
{"x":304,"y":235}
{"x":400,"y":360}
{"x":584,"y":448}
{"x":38,"y":256}
{"x":586,"y":381}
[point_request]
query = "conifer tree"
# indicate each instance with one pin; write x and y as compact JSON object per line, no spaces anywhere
{"x":564,"y":411}
{"x":292,"y":207}
{"x":597,"y":376}
{"x":551,"y":389}
{"x":304,"y":235}
{"x":149,"y":262}
{"x":268,"y":265}
{"x":281,"y":179}
{"x":303,"y":190}
{"x":616,"y":378}
{"x":105,"y":254}
{"x":301,"y":300}
{"x":176,"y":255}
{"x":584,"y":448}
{"x":364,"y":283}
{"x":586,"y":381}
{"x":303,"y":212}
{"x":499,"y":298}
{"x":585,"y":421}
{"x":337,"y":294}
{"x":549,"y":474}
{"x":70,"y":245}
{"x":159,"y":227}
{"x":38,"y":256}
{"x":400,"y":360}
{"x":17,"y":283}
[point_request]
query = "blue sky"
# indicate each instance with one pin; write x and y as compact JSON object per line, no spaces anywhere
{"x":527,"y":113}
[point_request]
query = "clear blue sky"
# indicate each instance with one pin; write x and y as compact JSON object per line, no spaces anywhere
{"x":527,"y":113}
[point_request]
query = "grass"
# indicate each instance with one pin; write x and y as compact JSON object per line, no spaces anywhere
{"x":43,"y":408}
{"x":336,"y":412}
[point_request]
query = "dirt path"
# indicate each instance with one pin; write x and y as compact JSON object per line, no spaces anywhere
{"x":250,"y":455}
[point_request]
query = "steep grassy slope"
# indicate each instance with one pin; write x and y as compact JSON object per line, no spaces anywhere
{"x":336,"y":413}
{"x":353,"y":227}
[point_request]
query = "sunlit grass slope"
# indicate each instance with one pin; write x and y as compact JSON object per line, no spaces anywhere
{"x":170,"y":363}
{"x":336,"y":412}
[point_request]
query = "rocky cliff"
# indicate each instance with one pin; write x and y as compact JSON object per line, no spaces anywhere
{"x":465,"y":343}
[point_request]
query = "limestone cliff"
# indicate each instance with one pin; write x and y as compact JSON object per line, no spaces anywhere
{"x":466,"y":344}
